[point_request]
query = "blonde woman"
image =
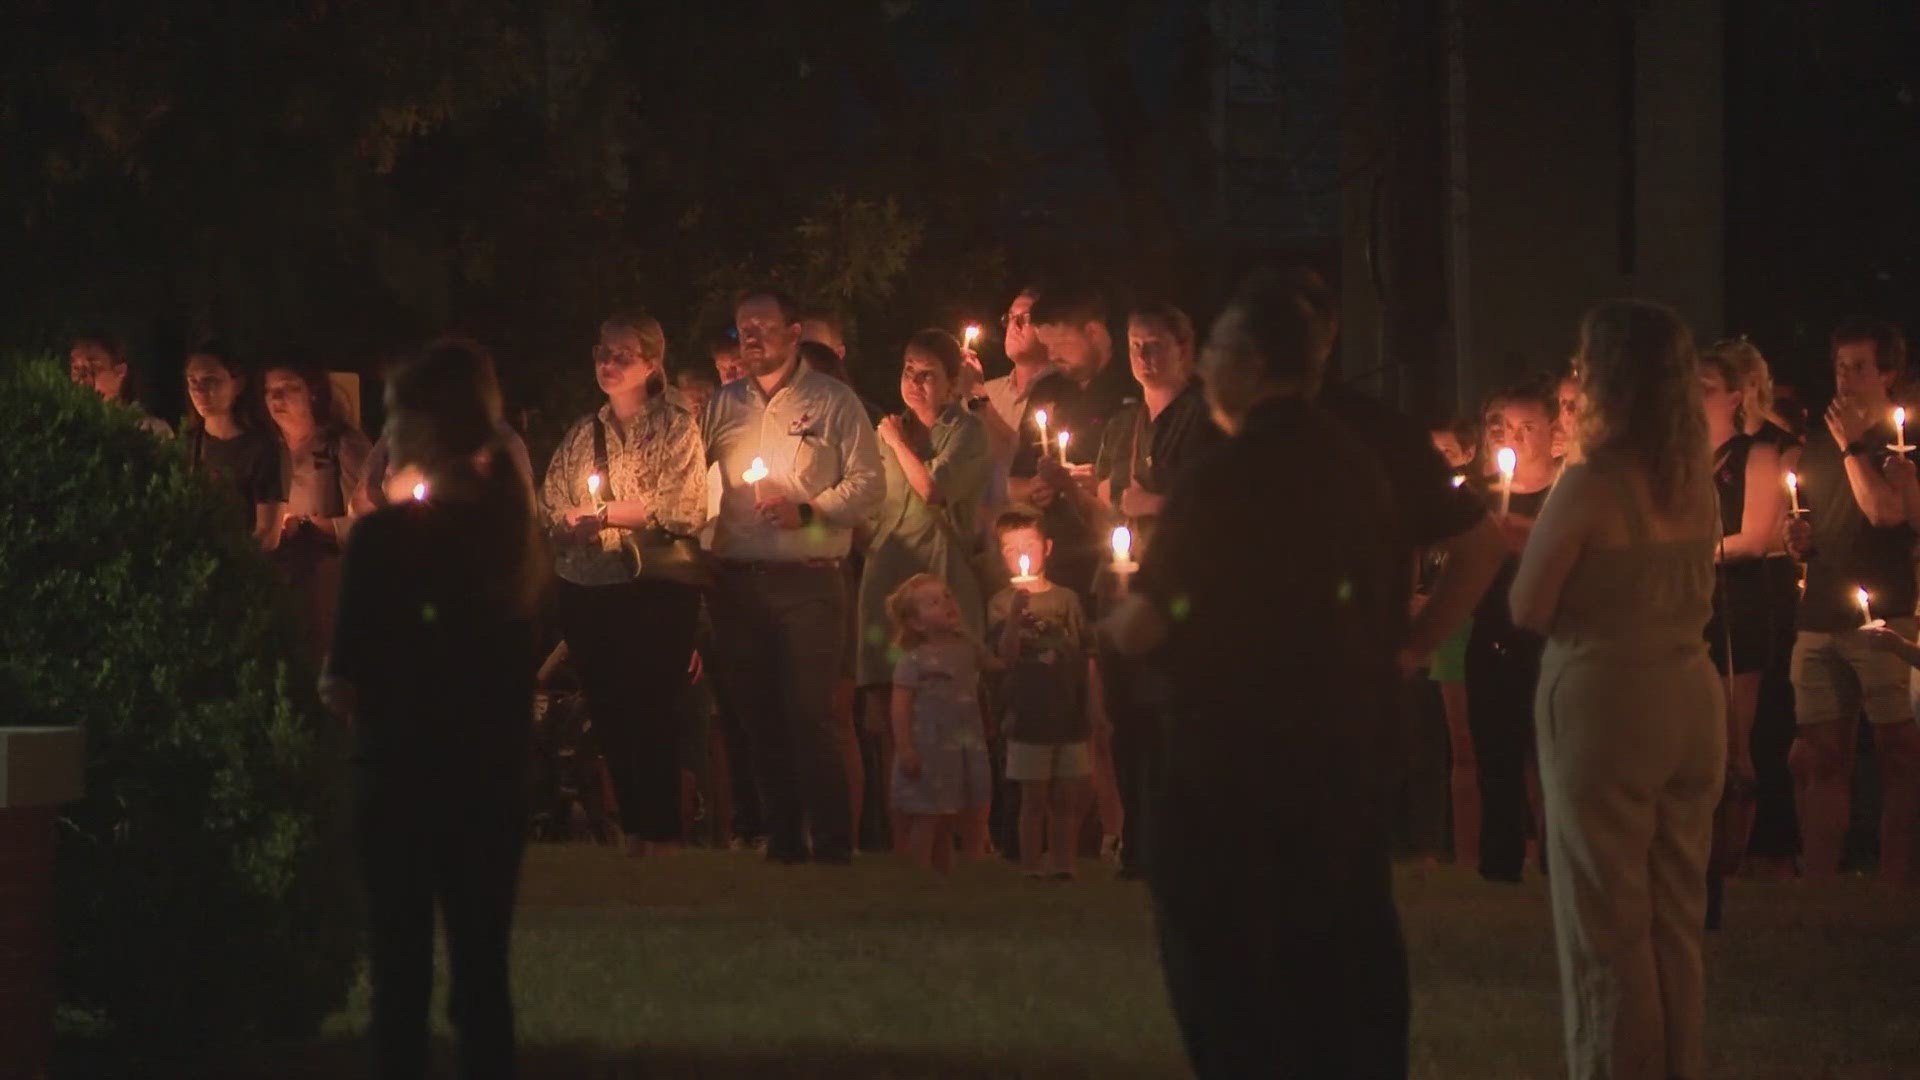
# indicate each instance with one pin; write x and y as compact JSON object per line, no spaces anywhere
{"x":1618,"y":574}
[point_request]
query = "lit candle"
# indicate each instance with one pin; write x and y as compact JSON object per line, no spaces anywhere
{"x":1063,"y":447}
{"x":1507,"y":460}
{"x":1026,"y":571}
{"x":1123,"y":563}
{"x":1867,"y":621}
{"x":420,"y":491}
{"x":1459,"y":480}
{"x":1900,"y":429}
{"x":970,"y":335}
{"x":1793,"y":493}
{"x":755,"y":473}
{"x":593,"y":490}
{"x":1040,"y":420}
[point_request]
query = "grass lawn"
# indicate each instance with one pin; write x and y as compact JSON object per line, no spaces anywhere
{"x":719,"y":965}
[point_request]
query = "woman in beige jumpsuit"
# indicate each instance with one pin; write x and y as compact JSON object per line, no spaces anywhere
{"x":1618,"y":574}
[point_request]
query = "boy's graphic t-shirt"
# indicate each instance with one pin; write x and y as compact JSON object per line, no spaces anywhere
{"x":1045,"y":689}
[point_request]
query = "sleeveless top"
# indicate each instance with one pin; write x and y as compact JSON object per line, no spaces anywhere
{"x":1730,"y":480}
{"x":1646,"y":593}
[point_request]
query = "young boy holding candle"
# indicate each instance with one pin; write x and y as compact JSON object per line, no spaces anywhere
{"x":1051,"y":698}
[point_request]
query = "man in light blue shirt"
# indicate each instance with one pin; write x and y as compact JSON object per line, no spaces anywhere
{"x":799,"y":469}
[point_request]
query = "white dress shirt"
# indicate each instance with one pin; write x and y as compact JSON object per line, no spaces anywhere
{"x":819,"y":448}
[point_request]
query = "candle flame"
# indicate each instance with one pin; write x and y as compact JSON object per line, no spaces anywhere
{"x":1899,"y":416}
{"x":755,"y":472}
{"x":1459,"y":480}
{"x":1122,"y":543}
{"x":971,"y":334}
{"x":593,"y":485}
{"x":1040,"y":417}
{"x":1793,"y":482}
{"x":1507,"y":459}
{"x":1063,"y":442}
{"x":1861,"y":595}
{"x":1026,"y":566}
{"x":420,"y":491}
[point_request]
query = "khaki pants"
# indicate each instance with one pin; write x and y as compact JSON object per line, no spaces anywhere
{"x":1632,"y":756}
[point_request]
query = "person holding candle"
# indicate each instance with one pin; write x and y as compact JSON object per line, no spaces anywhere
{"x":1503,"y":659}
{"x":1269,"y":862}
{"x":1618,"y":574}
{"x":1753,"y":501}
{"x":322,"y":459}
{"x":1147,"y":447}
{"x":780,"y":599}
{"x":937,"y":464}
{"x":1089,"y":391}
{"x":1773,"y":725}
{"x":630,"y":625}
{"x":1856,"y":535}
{"x":1050,"y":697}
{"x":225,"y":447}
{"x":432,"y":664}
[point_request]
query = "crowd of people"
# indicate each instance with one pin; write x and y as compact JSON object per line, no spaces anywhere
{"x":1208,"y":602}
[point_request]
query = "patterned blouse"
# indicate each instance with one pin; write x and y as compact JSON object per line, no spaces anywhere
{"x":659,"y":460}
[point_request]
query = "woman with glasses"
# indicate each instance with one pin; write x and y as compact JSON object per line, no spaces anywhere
{"x":628,"y":483}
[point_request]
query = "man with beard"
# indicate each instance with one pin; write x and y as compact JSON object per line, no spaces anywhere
{"x":800,"y":467}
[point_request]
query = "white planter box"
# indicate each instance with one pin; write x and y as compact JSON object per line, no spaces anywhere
{"x":41,"y":766}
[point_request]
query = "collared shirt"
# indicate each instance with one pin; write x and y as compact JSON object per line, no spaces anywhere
{"x":657,"y":459}
{"x":1154,"y":452}
{"x":819,"y":448}
{"x":1009,"y":402}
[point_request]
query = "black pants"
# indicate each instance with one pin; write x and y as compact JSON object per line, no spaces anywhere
{"x":1135,"y":711}
{"x":1282,"y":949}
{"x":779,"y":630}
{"x":419,"y":847}
{"x":1502,"y":673}
{"x":1420,"y":785}
{"x":630,"y":645}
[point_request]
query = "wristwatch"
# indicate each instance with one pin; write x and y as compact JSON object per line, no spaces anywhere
{"x":806,"y":514}
{"x":1858,"y":448}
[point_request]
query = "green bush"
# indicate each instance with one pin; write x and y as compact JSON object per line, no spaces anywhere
{"x":205,"y":891}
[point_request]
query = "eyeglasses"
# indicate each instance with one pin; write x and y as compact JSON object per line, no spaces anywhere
{"x":1016,"y":322}
{"x":624,"y":356}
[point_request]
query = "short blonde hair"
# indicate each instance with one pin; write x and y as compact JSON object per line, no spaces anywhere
{"x":1746,"y":373}
{"x":653,"y":339}
{"x":902,"y":608}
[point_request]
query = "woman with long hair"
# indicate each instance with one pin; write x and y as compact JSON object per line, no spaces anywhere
{"x":629,"y":630}
{"x":1618,"y":574}
{"x":322,"y":458}
{"x":937,"y":465}
{"x":224,"y":445}
{"x":1750,"y":487}
{"x":432,"y":664}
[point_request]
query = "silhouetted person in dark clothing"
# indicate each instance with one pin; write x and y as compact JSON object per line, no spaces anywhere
{"x":1269,"y":599}
{"x":433,"y":663}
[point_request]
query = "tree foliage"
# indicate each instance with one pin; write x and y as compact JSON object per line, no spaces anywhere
{"x":203,"y":896}
{"x":356,"y":174}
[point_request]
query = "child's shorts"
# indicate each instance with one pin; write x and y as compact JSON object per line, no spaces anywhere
{"x":1049,"y":761}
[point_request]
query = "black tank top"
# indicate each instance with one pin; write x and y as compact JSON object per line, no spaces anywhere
{"x":1730,"y":481}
